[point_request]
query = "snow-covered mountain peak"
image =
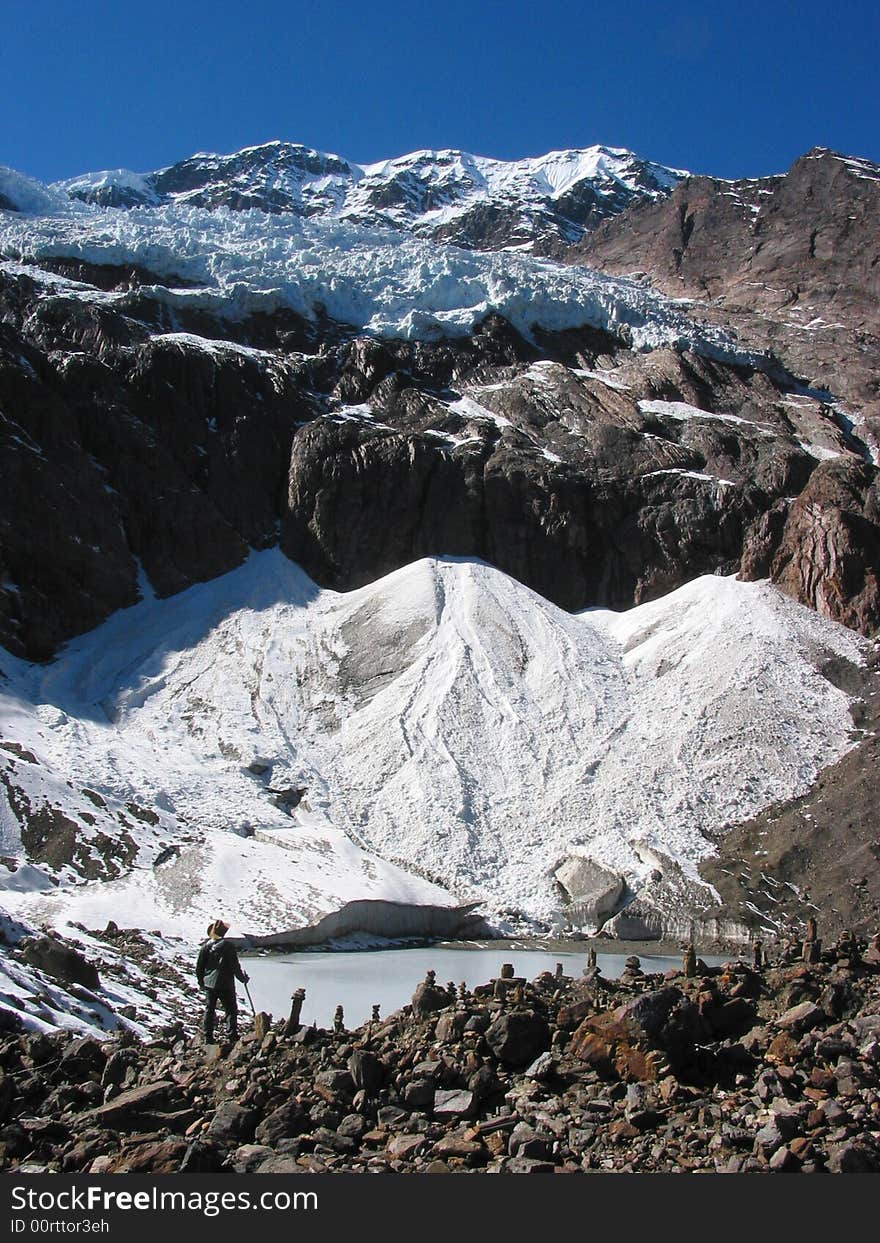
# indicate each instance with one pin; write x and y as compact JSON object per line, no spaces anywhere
{"x":542,"y":202}
{"x":117,"y":187}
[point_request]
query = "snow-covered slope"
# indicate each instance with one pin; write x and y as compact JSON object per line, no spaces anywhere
{"x":465,"y":198}
{"x":443,"y":722}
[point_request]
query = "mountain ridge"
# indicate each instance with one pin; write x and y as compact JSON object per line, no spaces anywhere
{"x":542,"y":202}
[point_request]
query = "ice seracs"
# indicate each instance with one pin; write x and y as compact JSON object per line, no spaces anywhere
{"x":381,"y":282}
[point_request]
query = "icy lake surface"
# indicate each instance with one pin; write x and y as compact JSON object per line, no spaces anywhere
{"x":357,"y":981}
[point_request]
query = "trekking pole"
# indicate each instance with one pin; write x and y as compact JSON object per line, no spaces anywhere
{"x":250,"y":998}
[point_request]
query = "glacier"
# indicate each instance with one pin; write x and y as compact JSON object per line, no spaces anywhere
{"x":375,"y":280}
{"x":451,"y":738}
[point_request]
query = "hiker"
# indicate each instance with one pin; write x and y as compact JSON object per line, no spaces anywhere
{"x":217,"y":969}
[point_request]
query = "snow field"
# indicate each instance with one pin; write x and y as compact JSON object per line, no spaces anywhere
{"x":446,"y":724}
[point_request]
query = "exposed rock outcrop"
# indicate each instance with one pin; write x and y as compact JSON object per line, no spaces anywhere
{"x":790,"y":263}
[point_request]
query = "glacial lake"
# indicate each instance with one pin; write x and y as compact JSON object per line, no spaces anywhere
{"x":358,"y":980}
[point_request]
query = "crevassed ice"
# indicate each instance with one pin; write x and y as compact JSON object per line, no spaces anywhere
{"x":383,"y":282}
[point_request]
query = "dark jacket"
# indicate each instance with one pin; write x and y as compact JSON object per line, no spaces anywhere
{"x":217,"y":966}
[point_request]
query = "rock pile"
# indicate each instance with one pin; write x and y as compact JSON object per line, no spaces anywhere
{"x":741,"y":1068}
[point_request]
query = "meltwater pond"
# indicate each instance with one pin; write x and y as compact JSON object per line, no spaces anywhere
{"x":359,"y":980}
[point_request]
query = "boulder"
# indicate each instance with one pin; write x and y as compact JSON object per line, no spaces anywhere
{"x":456,"y":1147}
{"x":405,"y":1146}
{"x":517,"y":1038}
{"x":246,"y":1157}
{"x":593,"y":892}
{"x":528,"y":1165}
{"x":525,"y":1141}
{"x":542,"y":1067}
{"x":61,"y":961}
{"x":133,"y":1102}
{"x":232,"y":1123}
{"x":285,"y":1122}
{"x":852,"y":1157}
{"x":158,"y":1157}
{"x":353,"y":1126}
{"x":453,"y":1104}
{"x":616,"y":1048}
{"x":83,"y":1057}
{"x":449,"y":1027}
{"x":339,"y":1082}
{"x":428,"y":998}
{"x":367,"y":1071}
{"x":280,"y":1165}
{"x":801,"y":1018}
{"x":419,"y":1094}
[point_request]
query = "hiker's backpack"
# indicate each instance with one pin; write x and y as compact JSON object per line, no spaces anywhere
{"x":213,"y":963}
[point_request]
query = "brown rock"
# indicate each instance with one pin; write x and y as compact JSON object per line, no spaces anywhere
{"x":61,"y":961}
{"x":614,"y":1047}
{"x":160,"y":1157}
{"x":469,"y":1151}
{"x":620,"y":1131}
{"x":801,"y":1018}
{"x":404,"y":1147}
{"x":133,"y":1102}
{"x":783,"y":1048}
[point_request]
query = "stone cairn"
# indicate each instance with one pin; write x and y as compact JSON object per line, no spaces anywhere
{"x":811,"y":949}
{"x":293,"y":1023}
{"x":632,"y":971}
{"x":848,"y":950}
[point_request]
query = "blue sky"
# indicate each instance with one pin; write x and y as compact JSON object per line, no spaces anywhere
{"x":735,"y":90}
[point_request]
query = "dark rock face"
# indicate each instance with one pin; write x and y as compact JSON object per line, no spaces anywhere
{"x":623,"y":509}
{"x":119,"y":450}
{"x":826,"y":550}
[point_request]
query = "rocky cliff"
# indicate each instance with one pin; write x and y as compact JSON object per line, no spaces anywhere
{"x":592,"y":472}
{"x":792,"y":264}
